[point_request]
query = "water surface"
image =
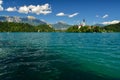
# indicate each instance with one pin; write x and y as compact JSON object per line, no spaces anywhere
{"x":59,"y":56}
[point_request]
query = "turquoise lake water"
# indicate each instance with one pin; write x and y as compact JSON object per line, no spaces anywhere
{"x":59,"y":56}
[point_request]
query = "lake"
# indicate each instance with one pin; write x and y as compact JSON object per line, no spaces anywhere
{"x":59,"y":56}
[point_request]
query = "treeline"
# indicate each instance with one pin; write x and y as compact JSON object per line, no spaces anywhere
{"x":85,"y":29}
{"x":109,"y":28}
{"x":24,"y":27}
{"x":113,"y":27}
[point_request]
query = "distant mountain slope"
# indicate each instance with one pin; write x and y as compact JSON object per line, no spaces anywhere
{"x":100,"y":25}
{"x":60,"y":26}
{"x":28,"y":20}
{"x":113,"y":27}
{"x":24,"y":27}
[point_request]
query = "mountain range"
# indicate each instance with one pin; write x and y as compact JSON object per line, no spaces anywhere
{"x":33,"y":21}
{"x":61,"y":26}
{"x":30,"y":20}
{"x":100,"y":25}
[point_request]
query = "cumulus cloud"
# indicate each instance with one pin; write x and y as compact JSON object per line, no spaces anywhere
{"x":31,"y":6}
{"x":68,"y":15}
{"x":45,"y":12}
{"x":1,"y":8}
{"x":39,"y":9}
{"x":61,"y":14}
{"x":11,"y":9}
{"x":1,"y":2}
{"x":111,"y":22}
{"x":72,"y":15}
{"x":23,"y":9}
{"x":105,"y":16}
{"x":36,"y":9}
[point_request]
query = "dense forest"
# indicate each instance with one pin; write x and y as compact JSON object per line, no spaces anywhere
{"x":86,"y":29}
{"x":108,"y":28}
{"x":24,"y":27}
{"x":113,"y":27}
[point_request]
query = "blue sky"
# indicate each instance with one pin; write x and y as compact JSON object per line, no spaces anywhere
{"x":69,"y":11}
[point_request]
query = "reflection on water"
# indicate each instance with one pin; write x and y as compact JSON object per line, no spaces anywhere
{"x":59,"y":56}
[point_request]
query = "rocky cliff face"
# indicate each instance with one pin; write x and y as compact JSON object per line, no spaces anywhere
{"x":32,"y":21}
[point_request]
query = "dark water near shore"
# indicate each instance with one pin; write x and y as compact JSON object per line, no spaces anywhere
{"x":59,"y":56}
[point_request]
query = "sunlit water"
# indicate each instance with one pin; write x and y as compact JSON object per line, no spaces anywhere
{"x":59,"y":56}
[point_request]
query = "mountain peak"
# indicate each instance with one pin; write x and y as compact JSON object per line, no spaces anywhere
{"x":29,"y":19}
{"x":61,"y":25}
{"x":61,"y":22}
{"x":101,"y":25}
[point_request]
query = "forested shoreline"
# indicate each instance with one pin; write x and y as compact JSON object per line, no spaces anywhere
{"x":25,"y":27}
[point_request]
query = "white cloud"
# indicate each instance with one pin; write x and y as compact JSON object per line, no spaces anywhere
{"x":39,"y":9}
{"x":31,"y":6}
{"x":105,"y":16}
{"x":45,"y":12}
{"x":68,"y":15}
{"x":61,"y":14}
{"x":72,"y":15}
{"x":36,"y":9}
{"x":111,"y":22}
{"x":1,"y":2}
{"x":1,"y":8}
{"x":23,"y":9}
{"x":10,"y":9}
